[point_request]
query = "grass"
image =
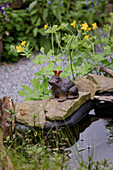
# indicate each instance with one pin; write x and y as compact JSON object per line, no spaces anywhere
{"x":45,"y":152}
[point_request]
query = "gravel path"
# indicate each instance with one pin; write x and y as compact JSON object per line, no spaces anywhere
{"x":13,"y":76}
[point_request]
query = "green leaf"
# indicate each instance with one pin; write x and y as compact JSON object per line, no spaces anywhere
{"x":42,"y":50}
{"x":57,"y":13}
{"x":27,"y":98}
{"x":40,"y":59}
{"x":45,"y":13}
{"x":50,"y":66}
{"x":45,"y":85}
{"x":82,"y":70}
{"x":58,"y":68}
{"x":32,"y":5}
{"x":38,"y":22}
{"x":33,"y":19}
{"x":33,"y":12}
{"x":35,"y":31}
{"x":50,"y":53}
{"x":22,"y":93}
{"x":98,"y":57}
{"x":26,"y":88}
{"x":104,"y":40}
{"x":35,"y":84}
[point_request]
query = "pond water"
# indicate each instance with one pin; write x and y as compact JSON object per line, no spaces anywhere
{"x":96,"y":136}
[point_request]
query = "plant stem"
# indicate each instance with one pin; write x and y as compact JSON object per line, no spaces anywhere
{"x":71,"y":64}
{"x":52,"y":40}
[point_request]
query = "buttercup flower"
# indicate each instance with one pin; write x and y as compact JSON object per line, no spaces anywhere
{"x":107,"y":30}
{"x":23,"y":43}
{"x":84,"y":26}
{"x":86,"y":37}
{"x":19,"y":48}
{"x":45,"y":26}
{"x":73,"y":24}
{"x":88,"y":29}
{"x":95,"y":25}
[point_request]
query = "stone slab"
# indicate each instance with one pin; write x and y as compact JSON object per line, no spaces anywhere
{"x":103,"y":84}
{"x":26,"y":110}
{"x":85,"y":85}
{"x":55,"y":110}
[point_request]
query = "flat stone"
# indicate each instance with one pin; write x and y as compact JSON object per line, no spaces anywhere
{"x":55,"y":110}
{"x":26,"y":110}
{"x":103,"y":84}
{"x":85,"y":85}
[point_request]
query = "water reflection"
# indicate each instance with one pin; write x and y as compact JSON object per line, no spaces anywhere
{"x":93,"y":133}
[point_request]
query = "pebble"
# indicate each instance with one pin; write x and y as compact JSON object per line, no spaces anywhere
{"x":13,"y":76}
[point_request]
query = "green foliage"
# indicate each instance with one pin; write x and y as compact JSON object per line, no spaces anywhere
{"x":28,"y":24}
{"x":77,"y":57}
{"x":40,"y":90}
{"x":33,"y":150}
{"x":93,"y":8}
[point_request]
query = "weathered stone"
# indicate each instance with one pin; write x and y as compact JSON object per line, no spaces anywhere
{"x":105,"y":98}
{"x":25,"y":112}
{"x":5,"y":123}
{"x":55,"y":110}
{"x":103,"y":84}
{"x":85,"y":85}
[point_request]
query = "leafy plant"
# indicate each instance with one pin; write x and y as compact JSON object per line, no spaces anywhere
{"x":28,"y":23}
{"x":77,"y":56}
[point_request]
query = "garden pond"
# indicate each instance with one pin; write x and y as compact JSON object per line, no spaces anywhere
{"x":92,"y":136}
{"x":96,"y":136}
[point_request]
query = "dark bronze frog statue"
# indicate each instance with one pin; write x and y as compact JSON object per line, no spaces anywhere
{"x":62,"y":88}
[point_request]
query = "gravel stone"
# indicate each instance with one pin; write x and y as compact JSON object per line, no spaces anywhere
{"x":13,"y":76}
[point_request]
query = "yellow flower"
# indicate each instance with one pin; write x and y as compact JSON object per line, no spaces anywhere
{"x":84,"y":26}
{"x":94,"y":37}
{"x":19,"y":48}
{"x":73,"y":24}
{"x":45,"y":26}
{"x":88,"y":29}
{"x":107,"y":30}
{"x":86,"y":37}
{"x":94,"y":25}
{"x":23,"y":43}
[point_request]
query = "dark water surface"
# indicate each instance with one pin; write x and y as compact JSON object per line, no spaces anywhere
{"x":96,"y":136}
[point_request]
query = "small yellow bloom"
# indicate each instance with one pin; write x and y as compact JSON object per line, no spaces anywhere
{"x":23,"y":43}
{"x":84,"y":26}
{"x":95,"y":25}
{"x":94,"y":37}
{"x":73,"y":24}
{"x":88,"y":29}
{"x":86,"y":37}
{"x":45,"y":26}
{"x":19,"y":48}
{"x":107,"y":30}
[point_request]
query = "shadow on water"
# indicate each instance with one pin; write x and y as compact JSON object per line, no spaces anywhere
{"x":93,"y":133}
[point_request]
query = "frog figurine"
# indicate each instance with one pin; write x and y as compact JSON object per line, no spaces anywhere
{"x":62,"y":88}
